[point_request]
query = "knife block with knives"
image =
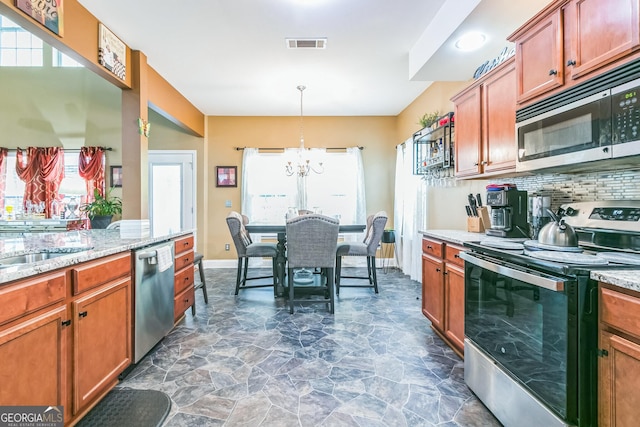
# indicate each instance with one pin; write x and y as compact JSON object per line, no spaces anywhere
{"x":477,"y":215}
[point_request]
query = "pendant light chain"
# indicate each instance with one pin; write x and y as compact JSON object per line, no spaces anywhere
{"x":301,"y":88}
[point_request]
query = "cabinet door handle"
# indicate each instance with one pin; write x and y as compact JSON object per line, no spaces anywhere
{"x":484,"y":162}
{"x":186,"y":279}
{"x":82,"y":314}
{"x":438,"y":270}
{"x":456,"y":256}
{"x":445,"y":273}
{"x":429,"y":247}
{"x":571,"y":63}
{"x":66,"y":322}
{"x":476,"y":164}
{"x":553,"y":72}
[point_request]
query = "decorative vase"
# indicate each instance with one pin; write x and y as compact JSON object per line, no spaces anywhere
{"x":100,"y":221}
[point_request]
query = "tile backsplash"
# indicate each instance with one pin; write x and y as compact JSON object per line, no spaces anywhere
{"x":566,"y":188}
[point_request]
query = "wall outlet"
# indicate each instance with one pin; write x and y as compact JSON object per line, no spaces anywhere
{"x":227,"y":203}
{"x":227,"y":247}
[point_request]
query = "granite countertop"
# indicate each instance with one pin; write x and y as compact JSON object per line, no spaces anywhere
{"x":454,"y":236}
{"x":628,"y":279}
{"x":77,"y":246}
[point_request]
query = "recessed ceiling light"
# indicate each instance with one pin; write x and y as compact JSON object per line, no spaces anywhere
{"x":470,"y":41}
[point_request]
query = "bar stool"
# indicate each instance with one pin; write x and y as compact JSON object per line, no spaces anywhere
{"x":197,"y":260}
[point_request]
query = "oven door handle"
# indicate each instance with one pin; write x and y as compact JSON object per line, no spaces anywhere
{"x":553,"y":284}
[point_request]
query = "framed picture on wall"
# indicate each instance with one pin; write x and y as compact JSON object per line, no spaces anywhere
{"x":116,"y":176}
{"x":112,"y":52}
{"x":48,"y":13}
{"x":226,"y":176}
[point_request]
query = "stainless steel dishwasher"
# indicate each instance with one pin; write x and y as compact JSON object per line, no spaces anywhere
{"x":153,"y":296}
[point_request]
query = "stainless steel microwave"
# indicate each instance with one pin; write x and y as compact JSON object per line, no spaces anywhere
{"x":601,"y":126}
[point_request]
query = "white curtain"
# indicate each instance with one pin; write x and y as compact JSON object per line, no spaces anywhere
{"x":410,"y":210}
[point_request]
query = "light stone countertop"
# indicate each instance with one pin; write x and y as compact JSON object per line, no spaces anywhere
{"x":454,"y":236}
{"x":628,"y":279}
{"x":78,"y":246}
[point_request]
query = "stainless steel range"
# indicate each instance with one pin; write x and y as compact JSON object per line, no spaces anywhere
{"x":531,"y":316}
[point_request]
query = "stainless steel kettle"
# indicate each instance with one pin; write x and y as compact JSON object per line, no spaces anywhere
{"x":558,"y":232}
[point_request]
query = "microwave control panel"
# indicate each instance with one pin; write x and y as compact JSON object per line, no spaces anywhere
{"x":626,"y":115}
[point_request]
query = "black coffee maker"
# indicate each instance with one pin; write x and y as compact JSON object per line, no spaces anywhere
{"x":508,"y":213}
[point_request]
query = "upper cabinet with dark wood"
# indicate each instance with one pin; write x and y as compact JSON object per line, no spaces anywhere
{"x":485,"y":115}
{"x":571,"y":41}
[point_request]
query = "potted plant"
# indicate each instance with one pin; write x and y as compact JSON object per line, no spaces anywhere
{"x":102,"y":209}
{"x":428,"y":119}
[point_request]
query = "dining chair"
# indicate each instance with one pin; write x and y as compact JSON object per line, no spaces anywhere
{"x":311,"y":243}
{"x":367,"y":248}
{"x":246,"y":249}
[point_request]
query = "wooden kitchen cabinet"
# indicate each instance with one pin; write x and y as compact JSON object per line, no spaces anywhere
{"x":65,"y":336}
{"x":454,"y":297}
{"x":34,"y":356}
{"x":433,"y":290}
{"x":101,"y":340}
{"x":33,"y":341}
{"x":443,"y":291}
{"x":485,"y":124}
{"x":619,"y":362}
{"x":572,"y":40}
{"x":184,"y":289}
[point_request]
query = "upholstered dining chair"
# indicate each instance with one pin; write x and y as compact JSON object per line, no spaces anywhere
{"x":246,"y":249}
{"x":311,"y":243}
{"x":366,"y":248}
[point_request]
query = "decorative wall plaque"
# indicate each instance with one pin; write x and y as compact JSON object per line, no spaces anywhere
{"x":46,"y":12}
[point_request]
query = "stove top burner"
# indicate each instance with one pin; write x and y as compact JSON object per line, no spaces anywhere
{"x":620,"y":257}
{"x":503,"y":244}
{"x":534,"y":245}
{"x":568,"y":257}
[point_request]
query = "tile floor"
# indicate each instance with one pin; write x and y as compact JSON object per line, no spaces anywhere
{"x":245,"y":361}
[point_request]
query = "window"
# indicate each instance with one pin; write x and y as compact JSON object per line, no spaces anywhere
{"x":267,"y":192}
{"x":18,"y":47}
{"x":59,"y":59}
{"x":14,"y":191}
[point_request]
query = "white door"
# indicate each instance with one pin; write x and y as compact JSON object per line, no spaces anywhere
{"x":172,"y":189}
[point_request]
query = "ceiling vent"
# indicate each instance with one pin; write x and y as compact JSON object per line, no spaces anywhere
{"x":319,"y":43}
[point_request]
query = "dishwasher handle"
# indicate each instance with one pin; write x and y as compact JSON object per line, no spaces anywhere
{"x":151,"y":256}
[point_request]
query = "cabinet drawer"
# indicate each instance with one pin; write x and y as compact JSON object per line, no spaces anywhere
{"x":183,"y":301}
{"x":31,"y":295}
{"x":432,"y":247}
{"x":95,"y":273}
{"x":183,"y":279}
{"x":183,"y":244}
{"x":452,"y":255}
{"x":183,"y":260}
{"x":620,"y":311}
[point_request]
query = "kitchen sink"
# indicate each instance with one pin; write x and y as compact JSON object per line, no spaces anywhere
{"x":33,"y":257}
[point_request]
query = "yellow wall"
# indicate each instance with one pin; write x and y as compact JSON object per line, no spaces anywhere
{"x":376,"y":134}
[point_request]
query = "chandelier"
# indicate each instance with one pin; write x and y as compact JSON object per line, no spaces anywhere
{"x":304,"y":165}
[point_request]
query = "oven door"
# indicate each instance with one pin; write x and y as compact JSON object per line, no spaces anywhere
{"x":525,"y":322}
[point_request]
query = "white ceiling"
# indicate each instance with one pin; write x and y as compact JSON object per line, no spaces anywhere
{"x":229,"y":57}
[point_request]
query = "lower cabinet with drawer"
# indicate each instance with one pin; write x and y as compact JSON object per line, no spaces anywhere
{"x":184,"y":276}
{"x":443,"y":291}
{"x":619,"y":361}
{"x":65,"y":336}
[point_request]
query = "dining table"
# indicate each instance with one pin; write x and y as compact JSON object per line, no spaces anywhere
{"x":280,"y":230}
